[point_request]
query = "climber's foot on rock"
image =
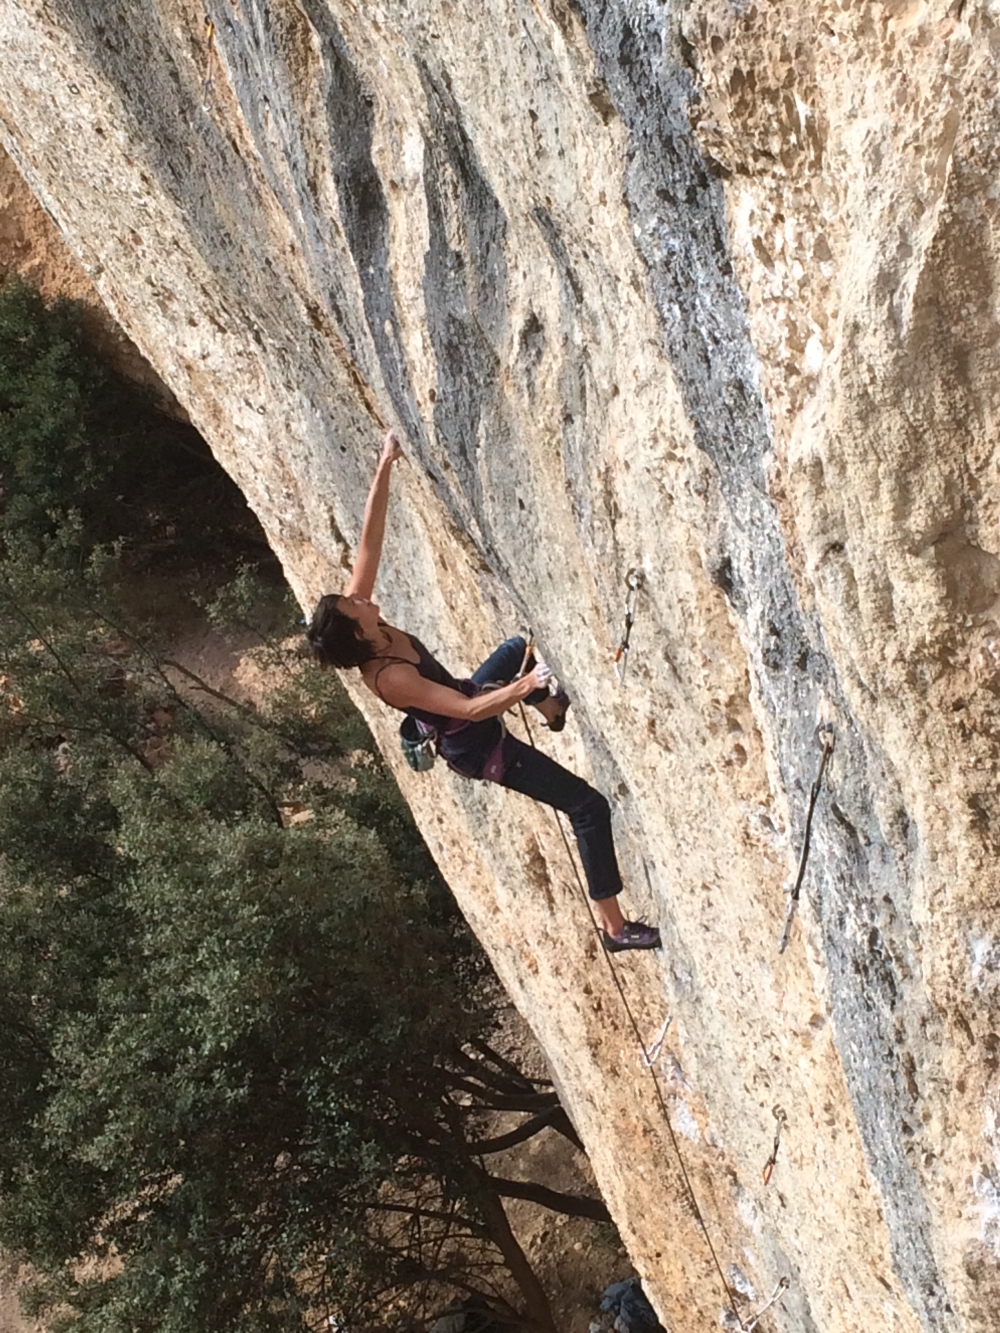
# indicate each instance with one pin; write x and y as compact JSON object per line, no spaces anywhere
{"x":633,"y":935}
{"x":554,"y":709}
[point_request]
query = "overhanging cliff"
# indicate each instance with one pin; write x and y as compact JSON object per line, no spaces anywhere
{"x":711,"y":291}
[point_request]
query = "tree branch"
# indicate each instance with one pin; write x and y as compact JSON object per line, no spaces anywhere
{"x":204,"y":686}
{"x":42,"y":638}
{"x":526,"y":1130}
{"x":500,"y":1101}
{"x":480,"y":1070}
{"x":60,"y":724}
{"x":554,"y":1117}
{"x":572,"y":1205}
{"x":495,"y":1058}
{"x":429,"y":1214}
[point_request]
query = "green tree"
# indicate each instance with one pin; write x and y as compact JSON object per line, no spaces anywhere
{"x":245,"y":1035}
{"x":66,"y":422}
{"x":247,"y":1062}
{"x":79,"y":442}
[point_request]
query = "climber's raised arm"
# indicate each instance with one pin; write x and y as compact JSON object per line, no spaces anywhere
{"x":366,"y":562}
{"x":459,"y":717}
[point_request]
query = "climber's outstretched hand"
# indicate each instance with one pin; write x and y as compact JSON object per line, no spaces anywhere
{"x":366,"y":563}
{"x":391,"y":448}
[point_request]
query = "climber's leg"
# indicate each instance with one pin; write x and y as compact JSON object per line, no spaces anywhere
{"x":505,"y":663}
{"x":533,"y":773}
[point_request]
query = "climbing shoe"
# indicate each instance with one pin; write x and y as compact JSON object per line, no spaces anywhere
{"x":633,"y":935}
{"x":559,"y":721}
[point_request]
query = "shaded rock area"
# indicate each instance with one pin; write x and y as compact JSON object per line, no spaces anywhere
{"x":710,"y":291}
{"x":32,"y":248}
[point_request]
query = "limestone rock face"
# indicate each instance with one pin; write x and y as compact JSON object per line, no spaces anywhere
{"x":32,"y":248}
{"x":711,"y":292}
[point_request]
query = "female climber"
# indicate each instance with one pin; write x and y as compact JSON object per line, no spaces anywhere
{"x":347,"y":630}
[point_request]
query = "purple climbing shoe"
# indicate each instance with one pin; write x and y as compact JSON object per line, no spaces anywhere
{"x":633,"y":935}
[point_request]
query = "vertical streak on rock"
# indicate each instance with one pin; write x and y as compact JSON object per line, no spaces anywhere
{"x":577,"y":440}
{"x":464,"y":285}
{"x":364,"y":212}
{"x":679,"y":222}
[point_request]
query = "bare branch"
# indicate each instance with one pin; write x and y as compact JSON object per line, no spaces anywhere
{"x":499,"y":1101}
{"x":572,"y":1205}
{"x":524,"y":1131}
{"x":505,"y":1065}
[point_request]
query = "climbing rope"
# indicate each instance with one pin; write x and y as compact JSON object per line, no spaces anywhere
{"x":647,"y":1061}
{"x":826,"y":735}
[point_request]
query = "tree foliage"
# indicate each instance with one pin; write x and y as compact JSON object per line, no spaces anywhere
{"x":67,"y":424}
{"x":245,"y":1036}
{"x":80,"y":443}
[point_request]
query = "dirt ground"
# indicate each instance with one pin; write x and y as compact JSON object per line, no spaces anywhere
{"x":11,"y":1318}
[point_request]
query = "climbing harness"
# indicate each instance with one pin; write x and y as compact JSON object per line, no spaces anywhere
{"x":690,"y":1200}
{"x":781,"y":1116}
{"x":826,"y":736}
{"x":635,"y":580}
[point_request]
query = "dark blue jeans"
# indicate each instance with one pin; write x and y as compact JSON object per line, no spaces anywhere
{"x":504,"y":663}
{"x":534,"y":774}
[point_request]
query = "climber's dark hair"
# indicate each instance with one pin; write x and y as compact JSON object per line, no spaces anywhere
{"x":335,"y":637}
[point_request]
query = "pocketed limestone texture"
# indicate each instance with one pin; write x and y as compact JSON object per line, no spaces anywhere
{"x":712,"y":292}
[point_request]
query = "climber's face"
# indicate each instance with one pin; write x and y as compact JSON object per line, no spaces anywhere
{"x":365,"y":613}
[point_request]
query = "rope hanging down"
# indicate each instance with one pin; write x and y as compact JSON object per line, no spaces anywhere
{"x":647,"y":1061}
{"x":825,"y":733}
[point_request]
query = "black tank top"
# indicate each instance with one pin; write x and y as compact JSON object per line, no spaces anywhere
{"x":465,"y":745}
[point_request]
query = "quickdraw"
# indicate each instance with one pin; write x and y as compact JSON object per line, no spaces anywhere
{"x":776,"y":1295}
{"x":651,"y":1054}
{"x":208,"y":84}
{"x":781,"y":1116}
{"x":635,"y":580}
{"x":826,"y":735}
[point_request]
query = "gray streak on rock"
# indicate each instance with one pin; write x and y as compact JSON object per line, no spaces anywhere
{"x":679,"y":221}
